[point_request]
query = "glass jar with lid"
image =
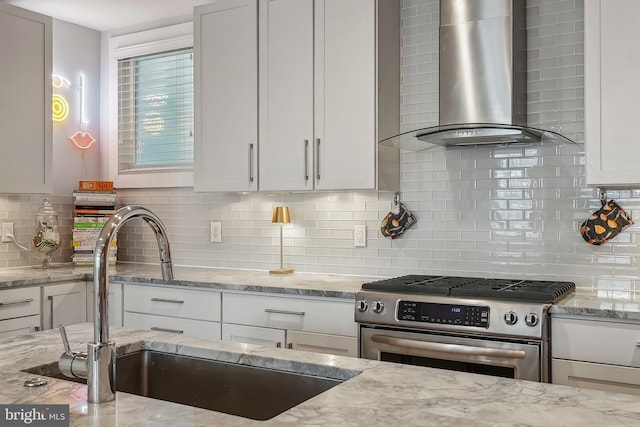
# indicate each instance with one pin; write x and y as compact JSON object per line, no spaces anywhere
{"x":47,"y":237}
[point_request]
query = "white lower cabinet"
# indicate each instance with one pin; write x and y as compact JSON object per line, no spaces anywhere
{"x":596,"y":354}
{"x":322,"y":343}
{"x":267,"y":337}
{"x":319,"y":325}
{"x":64,"y":304}
{"x":19,"y":311}
{"x":19,"y":326}
{"x":175,"y":325}
{"x":114,"y":303}
{"x":181,"y":310}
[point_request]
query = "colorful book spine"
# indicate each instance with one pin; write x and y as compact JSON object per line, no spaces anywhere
{"x":94,"y":204}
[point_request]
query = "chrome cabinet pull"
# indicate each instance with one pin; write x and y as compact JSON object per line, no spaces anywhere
{"x":170,"y":301}
{"x":22,"y":301}
{"x":293,"y":313}
{"x":306,"y":160}
{"x":318,"y":159}
{"x":250,"y":162}
{"x":174,"y":331}
{"x":50,"y":298}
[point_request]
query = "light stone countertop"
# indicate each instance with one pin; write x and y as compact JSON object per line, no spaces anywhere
{"x":322,"y":285}
{"x":597,"y":303}
{"x":600,"y":304}
{"x":383,"y":394}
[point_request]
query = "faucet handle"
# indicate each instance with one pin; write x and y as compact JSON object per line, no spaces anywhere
{"x":71,"y":364}
{"x":65,"y":340}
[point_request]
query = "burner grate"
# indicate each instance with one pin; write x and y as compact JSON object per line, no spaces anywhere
{"x":472,"y":287}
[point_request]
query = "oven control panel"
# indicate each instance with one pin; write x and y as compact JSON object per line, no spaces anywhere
{"x":452,"y":314}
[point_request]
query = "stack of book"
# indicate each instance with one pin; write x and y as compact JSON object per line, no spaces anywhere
{"x":94,"y":203}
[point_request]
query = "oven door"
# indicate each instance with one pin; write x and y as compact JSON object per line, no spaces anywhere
{"x":511,"y":359}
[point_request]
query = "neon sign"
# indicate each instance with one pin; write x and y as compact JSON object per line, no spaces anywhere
{"x":60,"y":110}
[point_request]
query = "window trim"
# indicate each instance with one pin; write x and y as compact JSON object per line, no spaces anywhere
{"x":156,"y":40}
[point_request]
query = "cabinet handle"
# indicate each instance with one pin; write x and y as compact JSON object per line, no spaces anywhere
{"x":50,"y":298}
{"x":171,"y":301}
{"x":293,"y":313}
{"x":250,"y":162}
{"x":306,"y":160}
{"x":174,"y":331}
{"x":22,"y":301}
{"x":290,"y":346}
{"x":278,"y":344}
{"x":318,"y":159}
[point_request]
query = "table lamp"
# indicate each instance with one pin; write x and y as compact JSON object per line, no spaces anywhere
{"x":281,"y":216}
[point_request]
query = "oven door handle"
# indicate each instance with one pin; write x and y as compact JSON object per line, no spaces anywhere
{"x":458,"y":349}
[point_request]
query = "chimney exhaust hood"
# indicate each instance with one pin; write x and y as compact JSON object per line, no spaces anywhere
{"x":483,"y":79}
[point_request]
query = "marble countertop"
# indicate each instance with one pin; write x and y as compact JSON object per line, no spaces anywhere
{"x":596,"y":303}
{"x":327,"y":285}
{"x":382,"y":394}
{"x":600,"y":304}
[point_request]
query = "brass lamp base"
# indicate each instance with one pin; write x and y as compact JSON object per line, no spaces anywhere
{"x":280,"y":271}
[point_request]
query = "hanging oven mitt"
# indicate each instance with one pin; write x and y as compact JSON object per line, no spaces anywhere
{"x":397,"y":221}
{"x":605,"y":224}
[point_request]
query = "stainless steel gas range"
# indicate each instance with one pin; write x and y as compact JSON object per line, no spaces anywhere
{"x":490,"y":326}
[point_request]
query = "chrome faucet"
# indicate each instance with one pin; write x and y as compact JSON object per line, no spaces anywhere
{"x":99,"y":363}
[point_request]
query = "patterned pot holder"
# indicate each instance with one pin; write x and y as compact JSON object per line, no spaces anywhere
{"x":397,"y":220}
{"x":605,"y":224}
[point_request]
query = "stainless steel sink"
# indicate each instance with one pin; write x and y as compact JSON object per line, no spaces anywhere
{"x":246,"y":391}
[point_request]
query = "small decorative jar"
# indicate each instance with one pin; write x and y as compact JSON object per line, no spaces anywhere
{"x":47,"y":237}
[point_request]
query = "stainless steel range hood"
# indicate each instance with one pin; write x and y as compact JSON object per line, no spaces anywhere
{"x":483,"y":79}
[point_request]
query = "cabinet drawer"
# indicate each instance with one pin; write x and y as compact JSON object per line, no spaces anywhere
{"x":596,"y":376}
{"x":174,"y":302}
{"x":301,"y":314}
{"x":23,"y":325}
{"x":266,"y":337}
{"x":187,"y":327}
{"x":596,"y":341}
{"x":19,"y":302}
{"x":322,"y":343}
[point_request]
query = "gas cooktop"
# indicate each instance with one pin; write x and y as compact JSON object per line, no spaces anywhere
{"x":472,"y":287}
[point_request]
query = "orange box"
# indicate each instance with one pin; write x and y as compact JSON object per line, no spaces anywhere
{"x":86,"y":185}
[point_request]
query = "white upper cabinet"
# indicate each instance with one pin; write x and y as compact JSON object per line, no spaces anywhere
{"x":25,"y":110}
{"x":612,"y":61}
{"x":286,"y":94}
{"x":329,"y":90}
{"x":226,"y":96}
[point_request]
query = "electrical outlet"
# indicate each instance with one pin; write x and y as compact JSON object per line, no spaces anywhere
{"x":216,"y":232}
{"x":7,"y":230}
{"x":360,"y":236}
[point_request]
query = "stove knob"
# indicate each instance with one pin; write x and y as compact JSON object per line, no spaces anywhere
{"x":377,"y":307}
{"x":531,"y":319}
{"x":362,"y":305}
{"x":511,"y":318}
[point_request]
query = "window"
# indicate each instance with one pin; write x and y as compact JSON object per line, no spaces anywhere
{"x":155,"y":111}
{"x":149,"y":125}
